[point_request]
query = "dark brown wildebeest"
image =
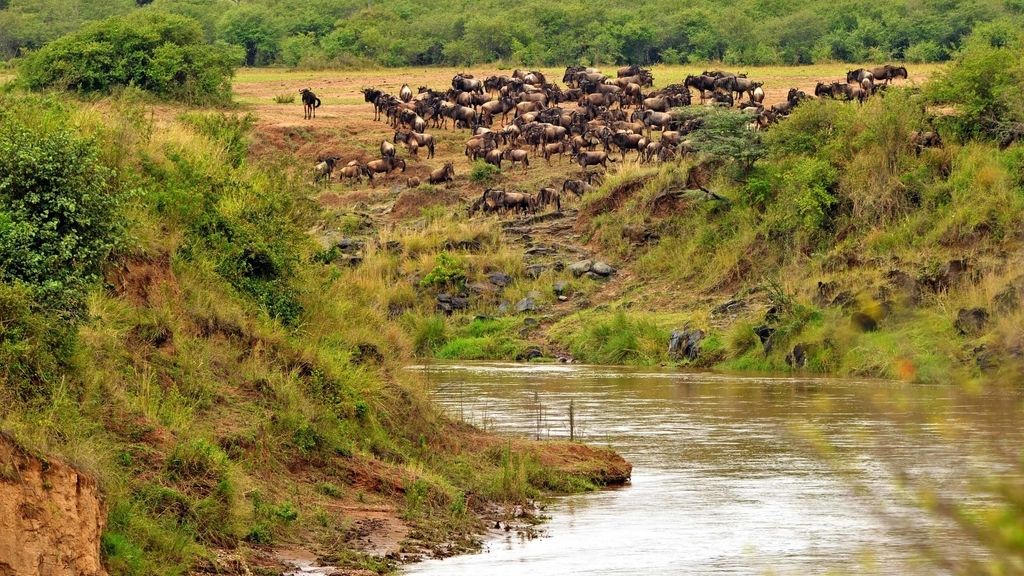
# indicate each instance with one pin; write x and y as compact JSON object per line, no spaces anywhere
{"x":445,"y":173}
{"x":387,"y":150}
{"x":412,"y":182}
{"x":494,"y":157}
{"x":309,"y":103}
{"x":889,"y":72}
{"x":921,"y":139}
{"x":554,"y":148}
{"x":467,"y":83}
{"x":547,"y":196}
{"x":822,"y":90}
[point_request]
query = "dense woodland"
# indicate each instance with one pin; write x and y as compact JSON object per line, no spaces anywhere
{"x":322,"y":33}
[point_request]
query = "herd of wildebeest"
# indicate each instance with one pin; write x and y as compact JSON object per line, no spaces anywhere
{"x":597,"y":124}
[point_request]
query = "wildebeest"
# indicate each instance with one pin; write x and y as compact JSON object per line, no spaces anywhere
{"x":554,"y":148}
{"x":421,"y":140}
{"x":412,"y":182}
{"x":309,"y":103}
{"x":384,"y":165}
{"x":577,"y":187}
{"x":445,"y":173}
{"x":387,"y":150}
{"x":494,"y":157}
{"x":354,"y":172}
{"x":324,"y":169}
{"x":922,"y":139}
{"x":467,"y":83}
{"x":517,"y":155}
{"x":405,"y":93}
{"x":585,"y":159}
{"x":547,"y":196}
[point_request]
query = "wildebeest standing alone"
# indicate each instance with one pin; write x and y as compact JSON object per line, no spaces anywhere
{"x":309,"y":103}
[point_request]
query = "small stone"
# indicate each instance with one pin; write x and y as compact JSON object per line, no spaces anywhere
{"x":535,"y":270}
{"x":499,"y":279}
{"x":562,"y":298}
{"x":602,"y":268}
{"x":595,"y":276}
{"x":580,"y":268}
{"x":480,"y":288}
{"x":526,"y":305}
{"x":560,"y":288}
{"x":531,"y":322}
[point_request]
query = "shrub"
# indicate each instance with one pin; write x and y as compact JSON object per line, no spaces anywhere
{"x":287,"y":98}
{"x":448,"y":272}
{"x":483,"y":172}
{"x":60,"y":210}
{"x":228,"y":130}
{"x":161,"y":53}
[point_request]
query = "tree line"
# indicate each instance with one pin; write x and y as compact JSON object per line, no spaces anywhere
{"x":325,"y":33}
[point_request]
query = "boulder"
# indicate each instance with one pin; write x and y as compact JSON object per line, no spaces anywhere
{"x":764,"y":334}
{"x":529,"y":354}
{"x":580,"y":268}
{"x":797,"y":357}
{"x":731,"y":306}
{"x":863,"y":322}
{"x":971,"y":321}
{"x":448,"y":304}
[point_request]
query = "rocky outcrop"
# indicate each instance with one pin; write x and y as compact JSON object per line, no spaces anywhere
{"x":685,"y":344}
{"x":51,"y":517}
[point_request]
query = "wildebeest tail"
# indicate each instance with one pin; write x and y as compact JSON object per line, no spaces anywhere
{"x":317,"y":105}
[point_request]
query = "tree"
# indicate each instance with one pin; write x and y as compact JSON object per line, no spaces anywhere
{"x":723,"y":133}
{"x":252,"y":28}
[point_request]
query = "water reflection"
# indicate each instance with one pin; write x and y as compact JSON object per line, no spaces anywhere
{"x":740,"y":475}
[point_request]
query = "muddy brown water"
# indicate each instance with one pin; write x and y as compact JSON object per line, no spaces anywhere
{"x":741,"y":475}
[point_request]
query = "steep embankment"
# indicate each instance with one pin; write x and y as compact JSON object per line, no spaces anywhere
{"x":51,"y":516}
{"x":233,"y":386}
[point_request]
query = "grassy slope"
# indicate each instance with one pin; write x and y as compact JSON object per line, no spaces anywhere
{"x":217,"y":431}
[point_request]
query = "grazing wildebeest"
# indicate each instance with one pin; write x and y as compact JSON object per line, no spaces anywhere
{"x":412,"y":182}
{"x":702,"y":83}
{"x":309,"y":103}
{"x":445,"y":173}
{"x":889,"y":72}
{"x":859,"y":75}
{"x":387,"y":150}
{"x":467,"y":83}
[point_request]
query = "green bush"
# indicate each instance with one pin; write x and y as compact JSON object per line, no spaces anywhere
{"x":60,"y":207}
{"x":449,"y":272}
{"x":161,"y":53}
{"x":482,"y":172}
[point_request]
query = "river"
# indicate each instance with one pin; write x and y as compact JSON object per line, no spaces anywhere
{"x":741,"y":475}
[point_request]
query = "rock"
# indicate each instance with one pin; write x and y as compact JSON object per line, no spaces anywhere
{"x":863,"y":322}
{"x":393,"y":247}
{"x":535,"y":270}
{"x":685,"y":344}
{"x":731,"y":306}
{"x":558,"y":266}
{"x":531,"y":322}
{"x":349,"y":260}
{"x":986,"y":359}
{"x":580,"y":268}
{"x":448,"y":304}
{"x":562,"y":298}
{"x":527,"y":304}
{"x":464,"y":245}
{"x":503,"y":307}
{"x":602,"y":268}
{"x":561,"y":288}
{"x":595,"y":276}
{"x":946,"y":276}
{"x":529,"y":354}
{"x":499,"y":279}
{"x":481,"y":288}
{"x":971,"y":321}
{"x":349,"y":245}
{"x":826,"y":291}
{"x":771,"y":315}
{"x":844,"y":300}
